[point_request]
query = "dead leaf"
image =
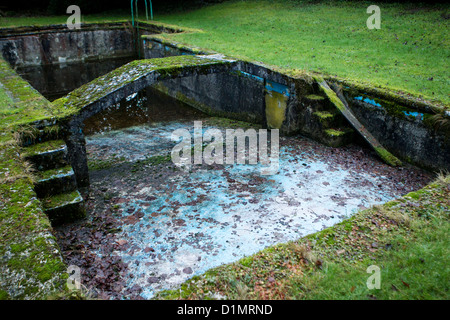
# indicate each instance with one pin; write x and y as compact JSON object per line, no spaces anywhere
{"x":319,"y":263}
{"x":122,"y":242}
{"x":406,"y":284}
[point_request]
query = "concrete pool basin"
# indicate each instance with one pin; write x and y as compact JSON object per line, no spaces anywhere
{"x":171,"y":224}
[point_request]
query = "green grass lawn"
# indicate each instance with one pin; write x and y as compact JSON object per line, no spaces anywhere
{"x":20,"y":21}
{"x":409,"y":54}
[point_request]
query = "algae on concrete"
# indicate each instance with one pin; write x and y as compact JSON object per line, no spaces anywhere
{"x":276,"y":104}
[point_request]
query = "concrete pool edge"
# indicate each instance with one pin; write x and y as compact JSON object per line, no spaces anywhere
{"x":31,"y":265}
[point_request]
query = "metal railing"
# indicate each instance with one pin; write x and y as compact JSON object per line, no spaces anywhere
{"x":135,"y":6}
{"x":134,"y":10}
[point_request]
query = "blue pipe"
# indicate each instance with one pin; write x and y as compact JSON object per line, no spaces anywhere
{"x":146,"y":9}
{"x":151,"y":10}
{"x":137,"y":13}
{"x":137,"y":17}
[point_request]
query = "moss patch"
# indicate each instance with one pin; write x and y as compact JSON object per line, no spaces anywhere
{"x":388,"y":157}
{"x":45,"y":175}
{"x":61,"y":199}
{"x":336,"y":133}
{"x":31,"y":266}
{"x":43,"y":147}
{"x":314,"y":97}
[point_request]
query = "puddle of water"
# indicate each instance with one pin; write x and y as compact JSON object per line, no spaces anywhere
{"x":55,"y":81}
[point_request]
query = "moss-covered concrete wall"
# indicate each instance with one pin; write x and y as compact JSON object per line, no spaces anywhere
{"x":409,"y":133}
{"x":65,"y":47}
{"x":31,"y":266}
{"x":220,"y":94}
{"x":31,"y":46}
{"x":240,"y":94}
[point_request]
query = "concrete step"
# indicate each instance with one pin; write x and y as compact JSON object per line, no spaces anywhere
{"x":316,"y":102}
{"x":329,"y":119}
{"x":337,"y":137}
{"x":47,"y":155}
{"x":32,"y":135}
{"x":64,"y":208}
{"x":337,"y":98}
{"x":55,"y":181}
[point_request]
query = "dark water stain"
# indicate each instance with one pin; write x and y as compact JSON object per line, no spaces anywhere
{"x":56,"y":80}
{"x":147,"y":107}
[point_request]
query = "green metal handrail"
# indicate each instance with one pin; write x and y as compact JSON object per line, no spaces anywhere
{"x":137,"y":14}
{"x":137,"y":20}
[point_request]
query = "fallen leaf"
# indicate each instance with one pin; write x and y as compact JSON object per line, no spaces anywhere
{"x":319,"y":263}
{"x":122,"y":242}
{"x":406,"y":284}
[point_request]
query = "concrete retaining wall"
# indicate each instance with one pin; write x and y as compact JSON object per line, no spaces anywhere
{"x":32,"y":46}
{"x":254,"y":93}
{"x":408,"y":133}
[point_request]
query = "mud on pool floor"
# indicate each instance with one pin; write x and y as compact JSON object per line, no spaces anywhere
{"x":151,"y":226}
